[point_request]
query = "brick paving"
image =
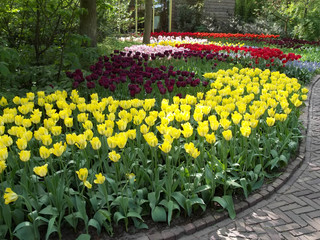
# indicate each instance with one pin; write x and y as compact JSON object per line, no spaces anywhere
{"x":292,"y":212}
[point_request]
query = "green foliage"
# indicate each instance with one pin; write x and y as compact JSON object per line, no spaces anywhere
{"x":298,"y":18}
{"x":115,"y":17}
{"x":245,"y":8}
{"x":305,"y":19}
{"x":184,"y":22}
{"x":109,"y":44}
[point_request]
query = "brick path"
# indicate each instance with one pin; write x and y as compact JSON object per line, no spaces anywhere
{"x":292,"y":212}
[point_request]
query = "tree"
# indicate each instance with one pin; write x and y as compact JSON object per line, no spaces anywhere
{"x":88,"y":20}
{"x":147,"y":21}
{"x":300,"y":18}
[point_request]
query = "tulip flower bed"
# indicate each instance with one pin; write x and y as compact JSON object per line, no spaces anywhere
{"x":96,"y":162}
{"x":141,"y":69}
{"x":282,"y":43}
{"x":132,"y":71}
{"x":256,"y":53}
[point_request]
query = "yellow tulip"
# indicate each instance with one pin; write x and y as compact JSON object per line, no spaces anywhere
{"x":46,"y":140}
{"x":16,"y":100}
{"x":148,"y":104}
{"x":144,"y":129}
{"x":198,"y":116}
{"x":21,"y":143}
{"x":131,"y":176}
{"x":87,"y":184}
{"x":81,"y":141}
{"x":271,"y":112}
{"x":297,"y":103}
{"x":112,"y":143}
{"x":100,"y":179}
{"x":137,"y":120}
{"x":68,"y":122}
{"x":58,"y":149}
{"x":71,"y":138}
{"x":132,"y":133}
{"x":151,"y":139}
{"x":18,"y":120}
{"x":24,"y":155}
{"x":166,"y":146}
{"x":9,"y":196}
{"x":88,"y":134}
{"x":2,"y":130}
{"x":40,"y":132}
{"x":121,"y":139}
{"x":44,"y":152}
{"x":227,"y":135}
{"x":114,"y":157}
{"x":210,"y":138}
{"x":122,"y":125}
{"x":245,"y":131}
{"x":304,"y":97}
{"x":87,"y":125}
{"x":150,"y":120}
{"x":214,"y":125}
{"x":82,"y":174}
{"x":270,"y":121}
{"x":6,"y":140}
{"x":187,"y":130}
{"x":203,"y":128}
{"x":109,"y":132}
{"x":35,"y":118}
{"x":26,"y":123}
{"x":30,"y":96}
{"x":191,"y":150}
{"x":236,"y":118}
{"x":101,"y":129}
{"x":174,"y":132}
{"x":3,"y":164}
{"x":82,"y":107}
{"x":304,"y":90}
{"x":109,"y":123}
{"x":225,"y":123}
{"x":254,"y":123}
{"x":41,"y":171}
{"x":95,"y":143}
{"x":99,"y":117}
{"x":3,"y":153}
{"x":3,"y":102}
{"x":49,"y":123}
{"x":82,"y":117}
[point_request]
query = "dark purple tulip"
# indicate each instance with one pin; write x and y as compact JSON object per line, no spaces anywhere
{"x":148,"y":89}
{"x":170,"y":88}
{"x":91,"y":85}
{"x":179,"y":95}
{"x":163,"y":68}
{"x":162,"y":90}
{"x":75,"y":84}
{"x":89,"y":78}
{"x":69,"y":74}
{"x":112,"y":87}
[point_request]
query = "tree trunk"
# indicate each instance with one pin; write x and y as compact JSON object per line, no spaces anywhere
{"x":147,"y":22}
{"x":88,"y":20}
